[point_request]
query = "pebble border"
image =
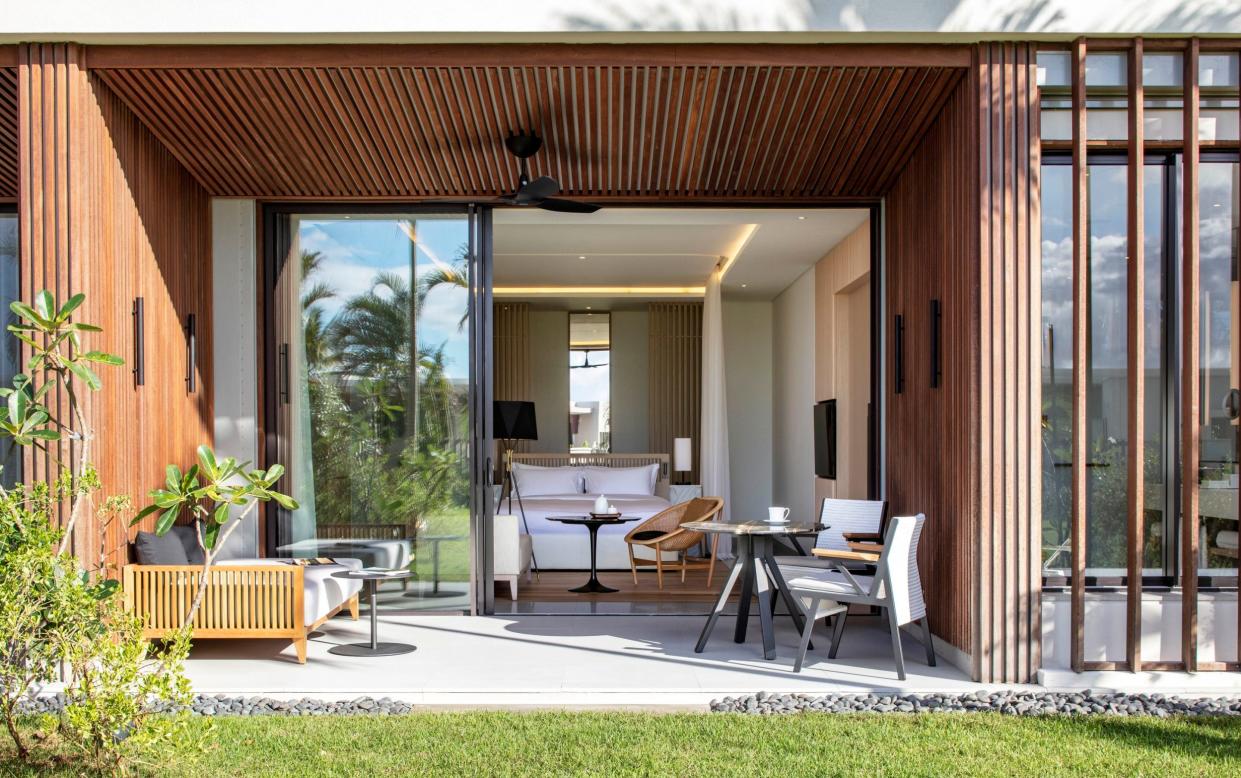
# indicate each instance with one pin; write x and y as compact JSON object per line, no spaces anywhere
{"x":1009,"y":703}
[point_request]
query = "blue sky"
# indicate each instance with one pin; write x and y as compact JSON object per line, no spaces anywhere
{"x":355,"y":250}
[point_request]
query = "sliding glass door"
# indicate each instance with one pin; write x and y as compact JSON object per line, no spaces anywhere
{"x":369,"y":360}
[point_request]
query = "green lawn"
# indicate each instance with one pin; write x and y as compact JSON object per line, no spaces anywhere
{"x":489,"y":743}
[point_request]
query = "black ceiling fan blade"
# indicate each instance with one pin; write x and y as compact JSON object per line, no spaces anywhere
{"x":540,"y":188}
{"x":566,"y":206}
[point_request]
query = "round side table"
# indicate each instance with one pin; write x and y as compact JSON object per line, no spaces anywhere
{"x":373,"y":648}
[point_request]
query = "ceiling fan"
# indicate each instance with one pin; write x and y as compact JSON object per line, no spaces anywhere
{"x":586,"y":361}
{"x":542,"y":191}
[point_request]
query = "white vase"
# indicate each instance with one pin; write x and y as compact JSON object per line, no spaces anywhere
{"x":601,"y":504}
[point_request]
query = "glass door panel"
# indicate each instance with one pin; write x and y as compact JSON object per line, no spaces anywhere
{"x":371,"y":314}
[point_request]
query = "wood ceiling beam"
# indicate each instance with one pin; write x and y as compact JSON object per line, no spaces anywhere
{"x":531,"y":55}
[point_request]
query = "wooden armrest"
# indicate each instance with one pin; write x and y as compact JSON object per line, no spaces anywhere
{"x":866,"y":548}
{"x":867,"y":537}
{"x":851,"y":556}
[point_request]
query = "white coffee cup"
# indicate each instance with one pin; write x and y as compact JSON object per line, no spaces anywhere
{"x":777,"y":515}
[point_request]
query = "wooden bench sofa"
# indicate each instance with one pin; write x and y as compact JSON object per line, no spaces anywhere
{"x":252,"y":598}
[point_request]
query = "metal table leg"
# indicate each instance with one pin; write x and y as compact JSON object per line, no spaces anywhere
{"x":739,"y":566}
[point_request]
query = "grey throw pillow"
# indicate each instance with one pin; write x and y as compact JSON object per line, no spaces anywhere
{"x":189,"y":540}
{"x":155,"y":549}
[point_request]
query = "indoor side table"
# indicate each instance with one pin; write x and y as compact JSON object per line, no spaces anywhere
{"x":371,"y":579}
{"x":592,"y":524}
{"x":755,"y":565}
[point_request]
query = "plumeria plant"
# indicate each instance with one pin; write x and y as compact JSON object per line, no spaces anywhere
{"x":209,"y":492}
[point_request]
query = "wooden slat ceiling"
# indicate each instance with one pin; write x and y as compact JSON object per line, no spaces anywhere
{"x":613,"y":132}
{"x":8,"y":133}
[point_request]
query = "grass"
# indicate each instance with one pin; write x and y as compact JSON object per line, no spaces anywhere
{"x":494,"y":743}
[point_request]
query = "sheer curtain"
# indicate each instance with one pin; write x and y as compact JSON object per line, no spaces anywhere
{"x":713,"y":449}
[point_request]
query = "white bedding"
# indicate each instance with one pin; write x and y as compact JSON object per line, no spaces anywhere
{"x":567,"y":546}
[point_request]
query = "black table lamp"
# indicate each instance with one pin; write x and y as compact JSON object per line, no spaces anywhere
{"x":513,"y":420}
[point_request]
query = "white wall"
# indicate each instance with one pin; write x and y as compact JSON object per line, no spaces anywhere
{"x":793,"y":390}
{"x":748,"y":385}
{"x":1161,"y":627}
{"x":383,"y":20}
{"x":549,"y":379}
{"x":630,"y":369}
{"x":235,"y":337}
{"x":842,"y":356}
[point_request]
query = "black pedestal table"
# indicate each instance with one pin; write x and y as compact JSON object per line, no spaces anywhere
{"x":592,"y":524}
{"x":755,"y":566}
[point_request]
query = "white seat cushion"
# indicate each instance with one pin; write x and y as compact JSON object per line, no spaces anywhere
{"x":321,"y":593}
{"x":827,"y":582}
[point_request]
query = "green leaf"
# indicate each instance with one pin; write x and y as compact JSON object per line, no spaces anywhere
{"x":166,"y":520}
{"x":187,"y":480}
{"x":19,"y":401}
{"x":26,"y":312}
{"x":221,"y":513}
{"x":102,"y":357}
{"x":79,"y":327}
{"x":210,"y":534}
{"x":71,"y":306}
{"x":86,"y":375}
{"x":207,"y":457}
{"x":45,"y":305}
{"x":105,"y":589}
{"x":142,"y":514}
{"x":274,"y":473}
{"x":285,"y":501}
{"x":44,"y":434}
{"x":172,"y":478}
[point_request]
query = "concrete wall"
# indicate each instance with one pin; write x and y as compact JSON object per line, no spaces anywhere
{"x":630,"y":359}
{"x":793,"y":396}
{"x":748,"y":383}
{"x":549,"y":379}
{"x":235,"y":339}
{"x":842,"y":351}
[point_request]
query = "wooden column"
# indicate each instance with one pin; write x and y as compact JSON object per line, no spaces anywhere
{"x":1081,"y":318}
{"x":104,"y":209}
{"x":1190,"y":426}
{"x":1137,"y":350}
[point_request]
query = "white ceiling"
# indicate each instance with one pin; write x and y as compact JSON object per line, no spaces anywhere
{"x":666,"y":246}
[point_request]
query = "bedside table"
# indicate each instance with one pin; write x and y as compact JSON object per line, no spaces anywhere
{"x":679,"y":493}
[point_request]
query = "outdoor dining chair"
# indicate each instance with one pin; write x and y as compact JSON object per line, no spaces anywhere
{"x":895,"y":587}
{"x":843,"y":521}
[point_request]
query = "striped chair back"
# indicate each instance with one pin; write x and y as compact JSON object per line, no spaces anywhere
{"x":843,"y":516}
{"x":898,"y":567}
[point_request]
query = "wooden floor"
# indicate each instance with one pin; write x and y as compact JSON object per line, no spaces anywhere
{"x":554,"y":587}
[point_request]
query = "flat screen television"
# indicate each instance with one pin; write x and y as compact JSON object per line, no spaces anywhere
{"x":825,"y":439}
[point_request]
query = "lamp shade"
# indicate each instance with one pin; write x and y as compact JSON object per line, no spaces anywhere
{"x":514,"y":420}
{"x":682,"y":454}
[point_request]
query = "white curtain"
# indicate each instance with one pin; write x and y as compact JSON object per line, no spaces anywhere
{"x":302,"y":466}
{"x":713,"y":441}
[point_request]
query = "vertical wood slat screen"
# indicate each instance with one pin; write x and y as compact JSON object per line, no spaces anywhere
{"x":105,"y":210}
{"x":1190,"y":407}
{"x":1081,"y":297}
{"x":1136,"y":302}
{"x":1190,"y":429}
{"x":675,"y":397}
{"x":511,"y":347}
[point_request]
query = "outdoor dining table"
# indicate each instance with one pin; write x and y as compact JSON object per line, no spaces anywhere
{"x":755,"y":565}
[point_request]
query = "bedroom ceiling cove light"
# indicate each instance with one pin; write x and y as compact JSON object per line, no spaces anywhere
{"x":599,"y":291}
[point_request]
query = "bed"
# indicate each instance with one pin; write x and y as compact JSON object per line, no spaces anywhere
{"x":567,"y":484}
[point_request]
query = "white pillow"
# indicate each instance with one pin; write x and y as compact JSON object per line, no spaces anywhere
{"x":533,"y":480}
{"x":621,"y":480}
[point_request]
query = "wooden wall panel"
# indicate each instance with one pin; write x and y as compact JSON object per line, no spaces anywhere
{"x":962,"y":227}
{"x":106,"y":210}
{"x":8,"y":133}
{"x":675,"y":359}
{"x":511,"y":345}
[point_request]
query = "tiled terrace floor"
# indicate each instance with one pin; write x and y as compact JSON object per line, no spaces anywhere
{"x":563,"y":660}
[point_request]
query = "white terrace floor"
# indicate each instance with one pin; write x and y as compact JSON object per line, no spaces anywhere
{"x":529,"y":660}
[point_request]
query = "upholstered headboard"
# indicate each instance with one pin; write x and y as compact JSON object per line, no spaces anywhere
{"x":598,"y":460}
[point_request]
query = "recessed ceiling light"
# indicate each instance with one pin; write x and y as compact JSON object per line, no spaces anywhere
{"x":743,"y":286}
{"x":588,"y":308}
{"x":582,"y":257}
{"x":801,"y":218}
